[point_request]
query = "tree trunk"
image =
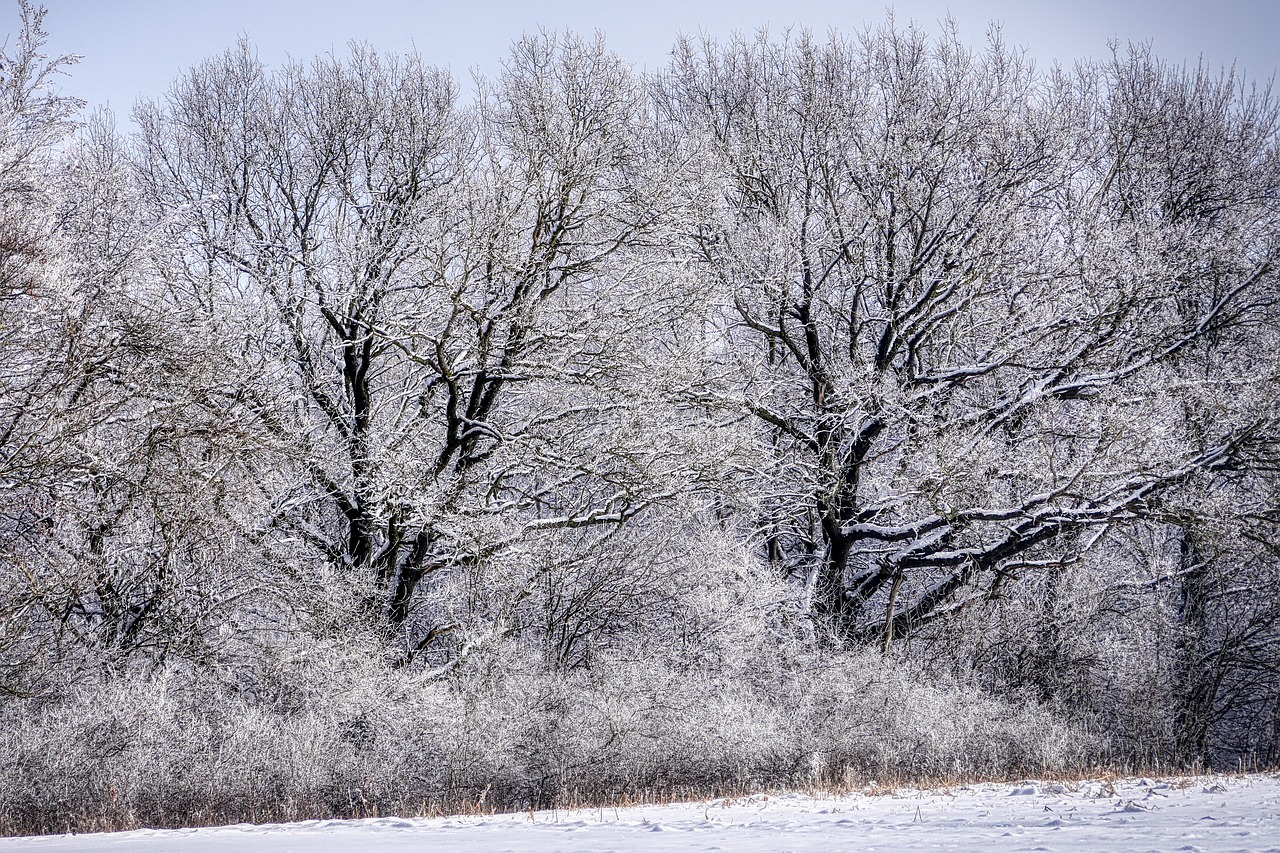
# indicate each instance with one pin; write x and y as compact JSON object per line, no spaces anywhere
{"x":1194,"y":687}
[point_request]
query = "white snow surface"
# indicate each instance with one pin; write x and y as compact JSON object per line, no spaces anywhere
{"x":1218,"y":813}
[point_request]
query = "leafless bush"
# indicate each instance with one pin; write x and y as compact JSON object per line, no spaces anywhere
{"x":349,"y":737}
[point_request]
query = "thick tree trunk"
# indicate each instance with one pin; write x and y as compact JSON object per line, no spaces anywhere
{"x":1195,"y":686}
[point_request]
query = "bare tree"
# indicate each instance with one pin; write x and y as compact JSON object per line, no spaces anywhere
{"x":953,"y":305}
{"x":429,"y":298}
{"x":34,"y":119}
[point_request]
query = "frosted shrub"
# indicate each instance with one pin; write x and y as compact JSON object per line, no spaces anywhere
{"x":361,"y":739}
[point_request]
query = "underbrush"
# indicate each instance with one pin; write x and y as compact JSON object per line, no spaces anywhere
{"x":345,"y":736}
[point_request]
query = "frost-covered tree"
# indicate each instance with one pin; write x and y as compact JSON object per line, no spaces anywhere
{"x":437,"y":307}
{"x":34,"y":119}
{"x":35,"y":369}
{"x":963,"y":299}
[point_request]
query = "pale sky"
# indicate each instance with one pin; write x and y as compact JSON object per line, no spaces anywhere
{"x":136,"y":47}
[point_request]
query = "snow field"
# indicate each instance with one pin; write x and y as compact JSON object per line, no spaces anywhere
{"x":1194,"y":815}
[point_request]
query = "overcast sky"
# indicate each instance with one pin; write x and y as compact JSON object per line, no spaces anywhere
{"x":136,"y":47}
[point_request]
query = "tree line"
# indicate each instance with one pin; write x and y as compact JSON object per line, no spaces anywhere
{"x":833,"y":344}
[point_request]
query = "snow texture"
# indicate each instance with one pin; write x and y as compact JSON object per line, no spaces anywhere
{"x":1200,"y":814}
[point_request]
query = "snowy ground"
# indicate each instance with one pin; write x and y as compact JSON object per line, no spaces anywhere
{"x":1133,"y":816}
